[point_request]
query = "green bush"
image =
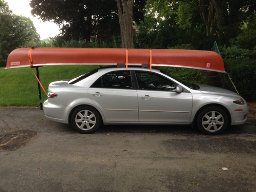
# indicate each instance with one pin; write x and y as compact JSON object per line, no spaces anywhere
{"x":241,"y":65}
{"x":60,"y":42}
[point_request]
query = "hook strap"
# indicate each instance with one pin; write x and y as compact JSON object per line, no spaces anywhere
{"x":40,"y":83}
{"x":150,"y":59}
{"x":30,"y":58}
{"x":126,"y":58}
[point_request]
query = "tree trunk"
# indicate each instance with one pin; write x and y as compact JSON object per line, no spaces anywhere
{"x":212,"y":14}
{"x":125,"y":14}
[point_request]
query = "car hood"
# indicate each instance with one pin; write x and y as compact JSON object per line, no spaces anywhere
{"x":215,"y":90}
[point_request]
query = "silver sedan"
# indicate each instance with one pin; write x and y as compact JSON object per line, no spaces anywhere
{"x":141,"y":96}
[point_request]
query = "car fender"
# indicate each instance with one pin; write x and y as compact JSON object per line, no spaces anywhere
{"x":83,"y":101}
{"x":200,"y":101}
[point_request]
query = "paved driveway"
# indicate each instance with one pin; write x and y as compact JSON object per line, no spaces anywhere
{"x":122,"y":158}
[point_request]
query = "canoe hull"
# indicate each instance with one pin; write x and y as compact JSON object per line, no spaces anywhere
{"x":26,"y":57}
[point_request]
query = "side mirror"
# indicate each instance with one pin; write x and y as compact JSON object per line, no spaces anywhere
{"x":179,"y":89}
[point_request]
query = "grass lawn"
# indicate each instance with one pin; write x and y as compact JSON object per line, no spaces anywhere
{"x":18,"y":87}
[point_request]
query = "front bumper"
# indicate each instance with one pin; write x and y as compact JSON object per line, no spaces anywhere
{"x":239,"y":115}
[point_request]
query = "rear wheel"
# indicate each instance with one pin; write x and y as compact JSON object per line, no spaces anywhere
{"x":85,"y":119}
{"x":212,"y":120}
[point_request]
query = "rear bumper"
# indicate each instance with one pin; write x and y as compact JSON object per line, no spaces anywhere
{"x":55,"y":119}
{"x":54,"y":112}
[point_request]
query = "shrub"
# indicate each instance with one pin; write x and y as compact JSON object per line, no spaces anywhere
{"x":241,"y":65}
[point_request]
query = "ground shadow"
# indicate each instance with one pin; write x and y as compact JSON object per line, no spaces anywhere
{"x":171,"y":129}
{"x":185,"y":129}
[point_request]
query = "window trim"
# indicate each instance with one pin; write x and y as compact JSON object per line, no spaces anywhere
{"x":102,"y":84}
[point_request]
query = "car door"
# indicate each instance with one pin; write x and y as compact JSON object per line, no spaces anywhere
{"x":115,"y":94}
{"x":158,"y":101}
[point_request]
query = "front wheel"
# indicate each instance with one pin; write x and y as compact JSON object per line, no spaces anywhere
{"x":212,"y":120}
{"x":85,"y":119}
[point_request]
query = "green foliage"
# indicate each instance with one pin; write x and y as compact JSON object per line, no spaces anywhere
{"x":47,"y":42}
{"x":184,"y":15}
{"x":4,"y":10}
{"x":84,"y":20}
{"x":60,"y":42}
{"x":240,"y":64}
{"x":158,"y":9}
{"x":195,"y":22}
{"x":16,"y":31}
{"x":80,"y":19}
{"x":184,"y":75}
{"x":159,"y":28}
{"x":24,"y":32}
{"x":247,"y":38}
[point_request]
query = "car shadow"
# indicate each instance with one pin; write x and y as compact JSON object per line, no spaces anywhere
{"x":248,"y":128}
{"x":172,"y":129}
{"x":185,"y":129}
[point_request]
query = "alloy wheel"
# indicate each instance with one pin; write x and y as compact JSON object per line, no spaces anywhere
{"x":85,"y":120}
{"x":213,"y":121}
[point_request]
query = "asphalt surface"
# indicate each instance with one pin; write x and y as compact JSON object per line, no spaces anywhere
{"x":51,"y":157}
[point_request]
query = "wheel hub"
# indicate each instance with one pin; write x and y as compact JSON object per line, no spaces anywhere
{"x":85,"y":120}
{"x":213,"y":121}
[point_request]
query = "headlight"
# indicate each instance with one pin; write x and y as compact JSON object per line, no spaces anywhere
{"x":239,"y":101}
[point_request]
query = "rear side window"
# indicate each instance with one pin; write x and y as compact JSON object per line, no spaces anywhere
{"x":114,"y":80}
{"x":81,"y":77}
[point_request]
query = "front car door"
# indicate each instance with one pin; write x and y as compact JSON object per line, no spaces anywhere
{"x":115,"y":93}
{"x":158,"y":101}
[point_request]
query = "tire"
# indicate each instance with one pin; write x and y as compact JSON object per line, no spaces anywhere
{"x":212,"y":120}
{"x":85,"y":119}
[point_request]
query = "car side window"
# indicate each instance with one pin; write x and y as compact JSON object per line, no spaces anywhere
{"x":155,"y":82}
{"x":114,"y":80}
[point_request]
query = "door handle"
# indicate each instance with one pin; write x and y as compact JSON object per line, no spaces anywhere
{"x":97,"y":94}
{"x":146,"y":97}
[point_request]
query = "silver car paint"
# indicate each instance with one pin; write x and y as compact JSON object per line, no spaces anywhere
{"x":118,"y":105}
{"x":155,"y":106}
{"x":121,"y":106}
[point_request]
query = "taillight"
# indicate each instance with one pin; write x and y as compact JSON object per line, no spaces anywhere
{"x":52,"y":95}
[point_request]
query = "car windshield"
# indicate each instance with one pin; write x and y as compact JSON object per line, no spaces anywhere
{"x":81,"y":77}
{"x":197,"y":77}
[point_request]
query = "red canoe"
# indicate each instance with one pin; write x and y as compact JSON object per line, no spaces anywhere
{"x":26,"y":57}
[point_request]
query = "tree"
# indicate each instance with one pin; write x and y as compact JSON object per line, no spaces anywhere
{"x":16,"y":31}
{"x":221,"y":19}
{"x":160,"y":27}
{"x":80,"y":19}
{"x":125,"y":14}
{"x":247,"y":37}
{"x":90,"y":20}
{"x":195,"y":22}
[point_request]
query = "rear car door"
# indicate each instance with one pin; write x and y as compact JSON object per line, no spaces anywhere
{"x":115,"y":93}
{"x":158,"y":101}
